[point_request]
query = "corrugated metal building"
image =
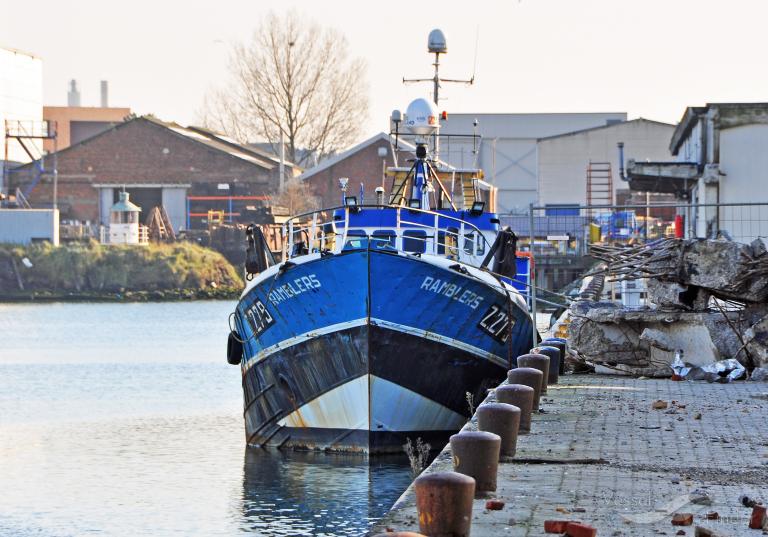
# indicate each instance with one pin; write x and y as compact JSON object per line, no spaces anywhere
{"x":22,"y":226}
{"x":508,"y":152}
{"x":563,"y":159}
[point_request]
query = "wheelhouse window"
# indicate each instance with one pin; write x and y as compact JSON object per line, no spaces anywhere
{"x":357,"y":239}
{"x":474,"y":244}
{"x":384,"y":238}
{"x":415,"y":241}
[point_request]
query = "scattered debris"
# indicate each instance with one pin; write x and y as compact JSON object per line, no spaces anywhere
{"x":682,"y":519}
{"x":700,"y":497}
{"x":722,"y":371}
{"x":708,"y":300}
{"x":555,"y":526}
{"x":697,"y":416}
{"x":712,"y":515}
{"x":659,"y":405}
{"x":494,"y":505}
{"x":577,"y":529}
{"x":757,"y":520}
{"x":746,"y":501}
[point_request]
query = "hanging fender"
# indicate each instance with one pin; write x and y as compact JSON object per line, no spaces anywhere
{"x":234,"y":349}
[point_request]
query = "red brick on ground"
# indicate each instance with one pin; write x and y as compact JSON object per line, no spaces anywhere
{"x":758,"y":517}
{"x":682,"y":519}
{"x":576,"y":529}
{"x":555,"y":526}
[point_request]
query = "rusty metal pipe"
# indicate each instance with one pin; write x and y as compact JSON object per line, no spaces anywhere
{"x":528,"y":376}
{"x":520,"y":396}
{"x":476,"y":454}
{"x":444,"y":503}
{"x":503,"y":420}
{"x":536,"y":361}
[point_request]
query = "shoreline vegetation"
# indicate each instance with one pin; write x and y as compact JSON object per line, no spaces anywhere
{"x":95,"y":272}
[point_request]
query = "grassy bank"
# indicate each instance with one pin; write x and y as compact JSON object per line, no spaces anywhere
{"x":91,"y":271}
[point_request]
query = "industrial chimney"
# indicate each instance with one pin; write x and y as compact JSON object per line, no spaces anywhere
{"x":104,"y":94}
{"x":73,"y":97}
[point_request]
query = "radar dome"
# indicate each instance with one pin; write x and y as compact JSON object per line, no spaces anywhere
{"x":421,"y":117}
{"x":436,"y":42}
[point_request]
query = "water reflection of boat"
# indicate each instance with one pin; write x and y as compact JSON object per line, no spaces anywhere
{"x":307,"y":493}
{"x":378,"y":324}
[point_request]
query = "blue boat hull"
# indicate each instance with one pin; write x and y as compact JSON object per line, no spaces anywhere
{"x":361,"y":350}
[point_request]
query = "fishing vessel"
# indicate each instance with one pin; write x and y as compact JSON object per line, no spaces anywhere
{"x":382,"y":321}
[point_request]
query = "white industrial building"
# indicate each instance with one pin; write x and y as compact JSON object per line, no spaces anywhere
{"x":508,"y":152}
{"x":564,"y":159}
{"x":21,"y":99}
{"x":720,"y":156}
{"x":25,"y":226}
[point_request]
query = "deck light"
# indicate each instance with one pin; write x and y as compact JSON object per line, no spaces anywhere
{"x":414,"y":203}
{"x":477,"y":208}
{"x":350,"y":201}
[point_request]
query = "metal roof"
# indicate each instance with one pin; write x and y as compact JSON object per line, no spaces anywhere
{"x":332,"y":161}
{"x":124,"y":205}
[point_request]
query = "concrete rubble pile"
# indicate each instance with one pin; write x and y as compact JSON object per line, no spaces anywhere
{"x":707,"y":301}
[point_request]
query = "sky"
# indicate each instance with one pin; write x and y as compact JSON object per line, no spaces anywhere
{"x":649,"y":58}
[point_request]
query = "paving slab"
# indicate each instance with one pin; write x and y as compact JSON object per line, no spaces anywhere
{"x":601,"y":454}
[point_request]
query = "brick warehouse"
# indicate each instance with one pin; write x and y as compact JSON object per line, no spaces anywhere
{"x":158,"y":163}
{"x":360,"y":164}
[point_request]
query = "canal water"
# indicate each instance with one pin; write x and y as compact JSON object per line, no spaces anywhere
{"x":125,"y":419}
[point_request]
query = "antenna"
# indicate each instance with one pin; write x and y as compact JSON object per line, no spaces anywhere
{"x":437,"y":45}
{"x":477,"y":41}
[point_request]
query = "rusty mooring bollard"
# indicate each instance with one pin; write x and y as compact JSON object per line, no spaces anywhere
{"x":520,"y":396}
{"x":536,"y":361}
{"x":444,"y":503}
{"x":529,"y":377}
{"x":503,"y":420}
{"x":554,"y":361}
{"x":476,"y":454}
{"x":560,"y":344}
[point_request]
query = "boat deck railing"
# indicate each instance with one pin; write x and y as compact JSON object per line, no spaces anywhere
{"x":451,"y":237}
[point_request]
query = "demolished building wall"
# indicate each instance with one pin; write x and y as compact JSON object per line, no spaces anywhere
{"x":707,"y":298}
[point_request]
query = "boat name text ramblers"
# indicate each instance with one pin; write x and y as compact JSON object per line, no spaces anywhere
{"x":452,"y":291}
{"x":293,"y":288}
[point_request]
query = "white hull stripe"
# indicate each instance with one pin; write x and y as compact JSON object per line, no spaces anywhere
{"x":391,"y":408}
{"x":301,"y":338}
{"x":425,"y":334}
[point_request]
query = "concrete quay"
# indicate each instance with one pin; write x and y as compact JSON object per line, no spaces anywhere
{"x":600,"y":453}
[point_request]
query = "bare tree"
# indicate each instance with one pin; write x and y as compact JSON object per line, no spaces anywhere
{"x":297,"y":196}
{"x":294,"y":78}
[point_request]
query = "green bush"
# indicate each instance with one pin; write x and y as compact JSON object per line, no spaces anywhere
{"x":95,"y":268}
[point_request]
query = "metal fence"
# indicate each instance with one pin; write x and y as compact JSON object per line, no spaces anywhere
{"x":560,"y":236}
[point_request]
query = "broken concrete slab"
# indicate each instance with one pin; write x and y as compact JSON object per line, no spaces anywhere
{"x":757,"y":342}
{"x":644,"y":341}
